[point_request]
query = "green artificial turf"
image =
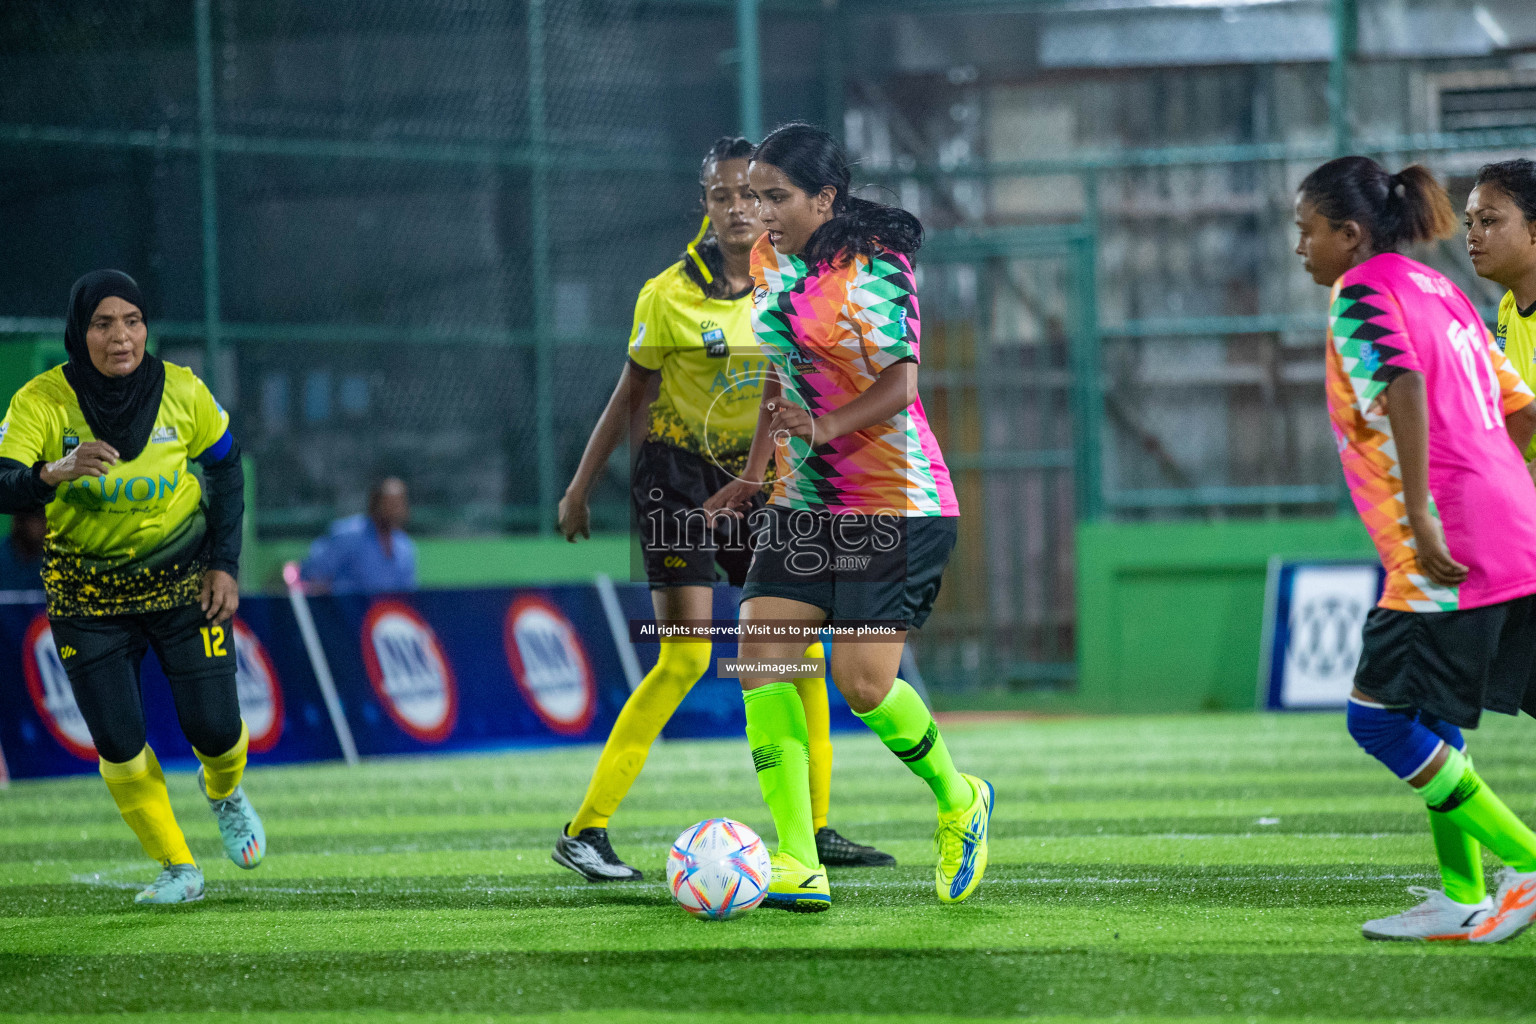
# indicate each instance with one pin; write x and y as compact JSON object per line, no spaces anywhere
{"x":1141,"y":867}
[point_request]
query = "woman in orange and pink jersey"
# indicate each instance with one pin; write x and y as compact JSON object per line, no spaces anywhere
{"x":862,"y":517}
{"x":1430,"y":420}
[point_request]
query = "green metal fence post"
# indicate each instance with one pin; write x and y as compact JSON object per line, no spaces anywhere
{"x":749,"y":71}
{"x":1087,"y":401}
{"x":1087,"y":397}
{"x":834,"y":33}
{"x":543,"y":351}
{"x":206,"y":154}
{"x":1345,"y":24}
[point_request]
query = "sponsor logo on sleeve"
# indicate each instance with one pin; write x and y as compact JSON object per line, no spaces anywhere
{"x":162,"y":435}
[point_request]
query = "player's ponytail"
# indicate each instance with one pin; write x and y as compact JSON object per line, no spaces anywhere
{"x":1399,"y":209}
{"x":1516,"y":179}
{"x":1418,"y":207}
{"x":812,"y":160}
{"x":703,"y":261}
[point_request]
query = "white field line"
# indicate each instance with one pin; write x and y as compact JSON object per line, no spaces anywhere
{"x":644,"y":837}
{"x":97,"y":879}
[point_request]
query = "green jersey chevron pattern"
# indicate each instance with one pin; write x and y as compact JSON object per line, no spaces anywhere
{"x":1361,"y":339}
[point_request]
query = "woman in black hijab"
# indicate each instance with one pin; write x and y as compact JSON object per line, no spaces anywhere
{"x":138,"y":556}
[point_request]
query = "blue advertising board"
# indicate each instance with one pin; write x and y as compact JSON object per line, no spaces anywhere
{"x":436,"y":670}
{"x":42,"y":733}
{"x":1313,"y":617}
{"x":468,"y":669}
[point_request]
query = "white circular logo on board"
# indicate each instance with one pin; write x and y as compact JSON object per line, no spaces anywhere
{"x":261,"y":697}
{"x":549,"y":663}
{"x":408,"y":671}
{"x":51,"y":692}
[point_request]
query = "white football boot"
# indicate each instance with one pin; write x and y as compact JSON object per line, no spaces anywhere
{"x":1438,"y":919}
{"x":1514,"y":908}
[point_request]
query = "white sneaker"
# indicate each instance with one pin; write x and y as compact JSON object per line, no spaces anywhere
{"x":1438,"y":919}
{"x":1514,"y":908}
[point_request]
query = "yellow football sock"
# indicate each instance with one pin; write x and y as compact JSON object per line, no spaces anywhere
{"x":681,"y":664}
{"x":818,"y":725}
{"x":138,"y":786}
{"x":222,"y":774}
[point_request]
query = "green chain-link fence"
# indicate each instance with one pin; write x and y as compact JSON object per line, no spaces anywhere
{"x":404,"y":236}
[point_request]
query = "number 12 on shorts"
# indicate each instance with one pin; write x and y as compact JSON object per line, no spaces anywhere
{"x":213,"y":641}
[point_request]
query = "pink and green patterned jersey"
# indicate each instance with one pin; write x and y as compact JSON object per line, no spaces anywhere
{"x":1389,"y":316}
{"x":829,"y":333}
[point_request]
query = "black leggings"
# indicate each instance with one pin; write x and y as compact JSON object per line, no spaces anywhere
{"x":102,"y":656}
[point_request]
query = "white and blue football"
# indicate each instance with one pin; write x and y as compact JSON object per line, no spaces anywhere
{"x":718,"y":869}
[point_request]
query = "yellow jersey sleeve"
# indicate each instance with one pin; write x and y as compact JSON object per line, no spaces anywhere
{"x":1515,"y":338}
{"x":27,"y":427}
{"x":647,"y":338}
{"x":209,"y":420}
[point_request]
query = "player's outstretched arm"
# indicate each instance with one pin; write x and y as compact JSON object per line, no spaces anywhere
{"x":574,"y":516}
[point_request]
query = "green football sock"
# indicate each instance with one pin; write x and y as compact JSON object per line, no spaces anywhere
{"x":1460,"y":857}
{"x":1465,"y":800}
{"x":903,"y":723}
{"x":780,"y":744}
{"x":1461,"y":860}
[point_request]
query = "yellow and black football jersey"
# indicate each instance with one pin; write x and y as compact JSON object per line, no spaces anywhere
{"x":128,"y":541}
{"x":1516,"y":336}
{"x":711,"y":368}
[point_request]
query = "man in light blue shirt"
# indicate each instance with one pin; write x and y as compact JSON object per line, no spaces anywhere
{"x":366,"y":554}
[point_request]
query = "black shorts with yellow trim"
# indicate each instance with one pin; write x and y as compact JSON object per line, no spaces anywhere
{"x":190,"y":648}
{"x":1453,"y":664}
{"x":679,"y":546}
{"x":857,"y":569}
